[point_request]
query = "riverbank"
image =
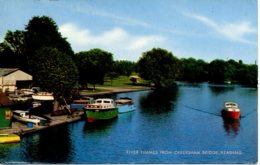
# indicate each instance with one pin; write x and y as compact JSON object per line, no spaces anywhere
{"x":113,"y":90}
{"x":22,"y":129}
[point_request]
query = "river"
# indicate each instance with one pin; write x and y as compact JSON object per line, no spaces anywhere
{"x":178,"y":125}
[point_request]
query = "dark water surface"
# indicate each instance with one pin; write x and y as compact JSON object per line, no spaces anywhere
{"x":177,"y":125}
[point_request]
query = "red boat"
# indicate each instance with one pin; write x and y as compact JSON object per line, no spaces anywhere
{"x":231,"y":111}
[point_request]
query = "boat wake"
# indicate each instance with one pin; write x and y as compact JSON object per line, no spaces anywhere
{"x":200,"y":110}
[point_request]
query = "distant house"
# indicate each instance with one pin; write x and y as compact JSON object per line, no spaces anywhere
{"x":13,"y":78}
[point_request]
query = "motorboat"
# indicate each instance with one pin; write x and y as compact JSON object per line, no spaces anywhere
{"x":81,"y":103}
{"x":9,"y":138}
{"x":125,"y":105}
{"x":26,"y":117}
{"x":43,"y":96}
{"x":231,"y":111}
{"x":102,"y":109}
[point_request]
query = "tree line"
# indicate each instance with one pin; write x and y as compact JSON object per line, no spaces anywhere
{"x":41,"y":50}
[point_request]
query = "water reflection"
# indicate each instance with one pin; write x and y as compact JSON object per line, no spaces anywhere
{"x":5,"y":150}
{"x":102,"y":126}
{"x":52,"y":145}
{"x":160,"y":100}
{"x":220,"y":89}
{"x":231,"y":126}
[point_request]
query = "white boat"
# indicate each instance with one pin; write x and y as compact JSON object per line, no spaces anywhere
{"x":24,"y":116}
{"x":44,"y":96}
{"x":36,"y":104}
{"x":27,"y":91}
{"x":125,"y":105}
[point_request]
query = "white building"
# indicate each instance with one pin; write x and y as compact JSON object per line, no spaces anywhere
{"x":12,"y":78}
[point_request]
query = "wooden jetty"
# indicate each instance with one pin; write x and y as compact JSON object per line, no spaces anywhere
{"x":22,"y":129}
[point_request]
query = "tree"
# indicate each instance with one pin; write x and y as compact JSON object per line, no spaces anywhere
{"x":12,"y":50}
{"x":54,"y":71}
{"x":218,"y":71}
{"x":193,"y":70}
{"x":93,"y":65}
{"x":43,"y":32}
{"x":159,"y":66}
{"x":247,"y":75}
{"x":15,"y":41}
{"x":124,"y":67}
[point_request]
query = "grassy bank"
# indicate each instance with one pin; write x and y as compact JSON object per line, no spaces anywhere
{"x":119,"y":84}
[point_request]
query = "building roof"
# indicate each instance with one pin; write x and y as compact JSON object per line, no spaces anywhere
{"x":7,"y":71}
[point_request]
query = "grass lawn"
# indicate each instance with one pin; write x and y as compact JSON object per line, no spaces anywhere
{"x":119,"y":82}
{"x":122,"y":81}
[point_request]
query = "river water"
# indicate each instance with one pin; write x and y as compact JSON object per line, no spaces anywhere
{"x":177,"y":125}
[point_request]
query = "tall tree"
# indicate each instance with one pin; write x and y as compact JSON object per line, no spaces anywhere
{"x":193,"y":70}
{"x":93,"y":65}
{"x":15,"y":41}
{"x":12,"y":50}
{"x":124,"y":67}
{"x":220,"y":71}
{"x":43,"y":32}
{"x":54,"y":71}
{"x":159,"y":66}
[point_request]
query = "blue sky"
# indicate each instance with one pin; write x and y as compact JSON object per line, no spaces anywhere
{"x":202,"y":29}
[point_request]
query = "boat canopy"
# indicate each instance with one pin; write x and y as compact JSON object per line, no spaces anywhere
{"x":231,"y":104}
{"x":105,"y":101}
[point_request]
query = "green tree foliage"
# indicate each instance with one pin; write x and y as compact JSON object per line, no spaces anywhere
{"x":43,"y":32}
{"x":54,"y":71}
{"x":219,"y":71}
{"x":235,"y":72}
{"x":193,"y":70}
{"x":247,"y":75}
{"x":159,"y":66}
{"x":93,"y":65}
{"x":15,"y":41}
{"x":124,"y":67}
{"x":19,"y":46}
{"x":12,"y":49}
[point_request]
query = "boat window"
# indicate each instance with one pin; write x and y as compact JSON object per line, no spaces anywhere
{"x":99,"y":101}
{"x":15,"y":113}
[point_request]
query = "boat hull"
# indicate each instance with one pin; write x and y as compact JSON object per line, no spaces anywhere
{"x":126,"y":108}
{"x":233,"y":115}
{"x":94,"y":115}
{"x":44,"y":98}
{"x":5,"y":117}
{"x":9,"y":138}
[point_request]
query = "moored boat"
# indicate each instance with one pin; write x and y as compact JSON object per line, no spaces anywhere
{"x":79,"y":104}
{"x":231,"y":111}
{"x":26,"y":117}
{"x":102,"y":109}
{"x":9,"y":138}
{"x":125,"y":105}
{"x":43,"y":96}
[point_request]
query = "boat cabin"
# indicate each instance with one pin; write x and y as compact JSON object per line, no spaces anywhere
{"x":230,"y":104}
{"x":21,"y":113}
{"x":104,"y":101}
{"x":102,"y":104}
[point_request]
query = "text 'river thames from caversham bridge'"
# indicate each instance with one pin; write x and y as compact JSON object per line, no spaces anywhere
{"x":181,"y":125}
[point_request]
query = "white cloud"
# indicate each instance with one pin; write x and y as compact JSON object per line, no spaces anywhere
{"x":122,"y":19}
{"x":235,"y":31}
{"x":117,"y":40}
